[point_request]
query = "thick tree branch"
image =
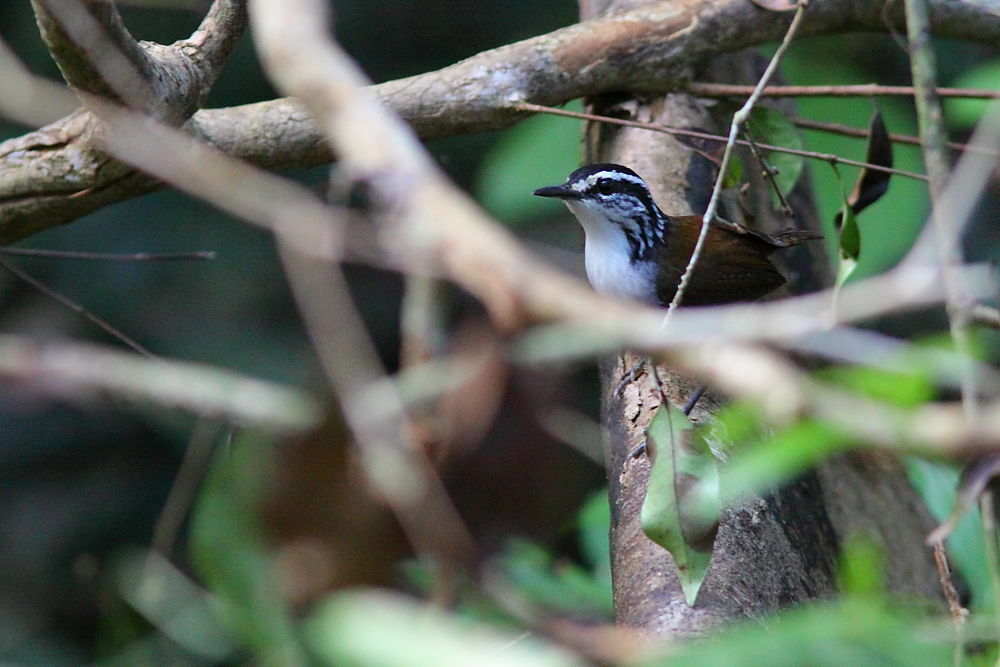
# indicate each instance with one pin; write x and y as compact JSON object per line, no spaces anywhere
{"x":98,"y":56}
{"x":78,"y":34}
{"x":650,"y":49}
{"x":210,"y":45}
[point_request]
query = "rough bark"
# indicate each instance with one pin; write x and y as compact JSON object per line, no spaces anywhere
{"x":771,"y":551}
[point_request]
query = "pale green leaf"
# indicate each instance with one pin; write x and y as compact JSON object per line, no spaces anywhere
{"x":681,"y":508}
{"x":229,"y":552}
{"x":386,"y":629}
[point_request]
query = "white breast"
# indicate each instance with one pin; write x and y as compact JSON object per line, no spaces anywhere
{"x":607,"y":257}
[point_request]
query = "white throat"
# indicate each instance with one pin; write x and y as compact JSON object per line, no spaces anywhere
{"x":607,"y":256}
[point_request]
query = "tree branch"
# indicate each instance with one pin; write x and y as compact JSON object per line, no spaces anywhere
{"x":98,"y":56}
{"x":78,"y":34}
{"x":650,"y":49}
{"x":712,"y":89}
{"x":79,"y":372}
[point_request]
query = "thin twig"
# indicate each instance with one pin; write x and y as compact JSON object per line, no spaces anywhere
{"x":109,"y":257}
{"x":100,"y":322}
{"x":653,"y":127}
{"x":988,"y":520}
{"x":931,"y":125}
{"x":768,"y":172}
{"x":987,"y":316}
{"x":192,"y":470}
{"x":707,"y":89}
{"x":739,"y":118}
{"x":860,"y":133}
{"x":80,"y":371}
{"x":958,"y":612}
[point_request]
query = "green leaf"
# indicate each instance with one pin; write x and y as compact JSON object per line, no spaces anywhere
{"x":845,"y":269}
{"x":909,"y":388}
{"x":539,"y":151}
{"x":229,"y":553}
{"x":872,"y":184}
{"x":852,"y":631}
{"x":849,"y":239}
{"x":773,"y":127}
{"x":561,"y":586}
{"x":681,"y":509}
{"x":778,"y":458}
{"x":861,"y":570}
{"x":734,"y":172}
{"x":966,"y":112}
{"x":386,"y":629}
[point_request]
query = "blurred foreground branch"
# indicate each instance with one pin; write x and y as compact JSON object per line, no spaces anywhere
{"x":79,"y":372}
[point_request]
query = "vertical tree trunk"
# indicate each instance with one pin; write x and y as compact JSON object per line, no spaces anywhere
{"x":771,"y":551}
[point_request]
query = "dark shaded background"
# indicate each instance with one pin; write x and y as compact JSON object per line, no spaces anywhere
{"x":80,"y":483}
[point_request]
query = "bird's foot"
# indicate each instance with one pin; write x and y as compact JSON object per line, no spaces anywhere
{"x":693,"y":400}
{"x":633,"y":374}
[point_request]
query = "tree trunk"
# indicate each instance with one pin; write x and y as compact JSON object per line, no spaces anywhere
{"x":771,"y":551}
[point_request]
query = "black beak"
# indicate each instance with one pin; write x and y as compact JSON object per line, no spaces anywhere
{"x":557,"y":191}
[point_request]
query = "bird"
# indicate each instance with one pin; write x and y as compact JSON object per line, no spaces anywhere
{"x":636,"y":251}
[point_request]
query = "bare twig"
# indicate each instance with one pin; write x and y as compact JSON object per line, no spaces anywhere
{"x":709,"y":89}
{"x":421,"y":326}
{"x":860,"y":133}
{"x":100,"y":322}
{"x":991,"y":537}
{"x":194,"y":465}
{"x":271,"y":202}
{"x":768,"y":173}
{"x":826,"y":157}
{"x":782,"y":321}
{"x":932,"y":136}
{"x":78,"y":372}
{"x":109,"y":256}
{"x":987,"y":316}
{"x":31,"y":99}
{"x":959,"y":613}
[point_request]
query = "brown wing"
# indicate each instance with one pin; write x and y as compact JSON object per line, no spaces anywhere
{"x":734,"y":266}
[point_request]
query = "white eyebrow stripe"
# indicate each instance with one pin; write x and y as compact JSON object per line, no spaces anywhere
{"x":580,"y":186}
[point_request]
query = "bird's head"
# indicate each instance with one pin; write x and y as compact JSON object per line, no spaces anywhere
{"x":610,"y":199}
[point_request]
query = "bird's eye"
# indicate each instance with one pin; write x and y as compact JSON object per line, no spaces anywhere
{"x":605,"y":187}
